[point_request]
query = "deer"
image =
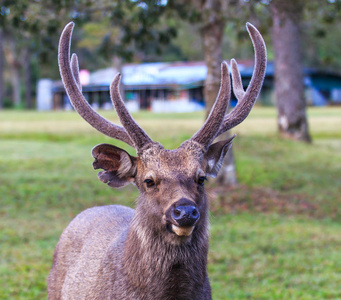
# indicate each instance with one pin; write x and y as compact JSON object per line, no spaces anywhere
{"x":159,"y":249}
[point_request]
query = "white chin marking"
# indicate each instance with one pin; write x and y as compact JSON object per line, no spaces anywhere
{"x":182,"y":231}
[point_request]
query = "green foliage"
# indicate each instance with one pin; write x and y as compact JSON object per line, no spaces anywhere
{"x":154,"y":31}
{"x":255,"y":252}
{"x":34,"y":24}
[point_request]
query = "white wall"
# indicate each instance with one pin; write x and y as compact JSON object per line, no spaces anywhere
{"x":44,"y":94}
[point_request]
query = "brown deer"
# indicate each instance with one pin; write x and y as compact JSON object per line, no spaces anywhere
{"x":159,"y":250}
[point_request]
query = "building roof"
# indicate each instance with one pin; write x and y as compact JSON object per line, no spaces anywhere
{"x":184,"y":75}
{"x":175,"y":73}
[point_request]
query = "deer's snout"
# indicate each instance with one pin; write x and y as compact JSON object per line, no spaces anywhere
{"x":185,"y":215}
{"x":182,"y":216}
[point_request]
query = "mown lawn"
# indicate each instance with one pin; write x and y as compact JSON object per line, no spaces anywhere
{"x":276,"y":236}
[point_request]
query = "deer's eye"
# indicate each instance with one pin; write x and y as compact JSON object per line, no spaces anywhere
{"x":201,"y":180}
{"x":149,"y":182}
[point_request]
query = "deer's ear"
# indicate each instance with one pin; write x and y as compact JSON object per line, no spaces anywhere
{"x":119,"y":167}
{"x":215,"y":156}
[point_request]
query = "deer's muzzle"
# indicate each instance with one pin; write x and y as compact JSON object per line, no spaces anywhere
{"x":182,"y":217}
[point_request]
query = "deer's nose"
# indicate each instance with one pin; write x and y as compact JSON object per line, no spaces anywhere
{"x":185,"y":215}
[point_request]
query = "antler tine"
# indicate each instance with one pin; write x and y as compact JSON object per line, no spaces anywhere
{"x":209,"y":130}
{"x":237,"y":84}
{"x":75,"y":70}
{"x":137,"y":134}
{"x":247,"y":99}
{"x":70,"y":78}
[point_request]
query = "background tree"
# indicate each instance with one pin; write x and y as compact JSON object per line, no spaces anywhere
{"x":214,"y":17}
{"x":12,"y":54}
{"x":289,"y":88}
{"x":211,"y":17}
{"x":321,"y":32}
{"x":29,"y":30}
{"x":2,"y":67}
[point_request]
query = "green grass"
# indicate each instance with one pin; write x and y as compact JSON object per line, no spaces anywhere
{"x":275,"y":257}
{"x":277,"y":236}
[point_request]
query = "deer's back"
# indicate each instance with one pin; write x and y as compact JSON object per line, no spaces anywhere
{"x":83,"y":246}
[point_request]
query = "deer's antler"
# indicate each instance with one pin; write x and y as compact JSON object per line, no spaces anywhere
{"x":206,"y":134}
{"x":70,"y":77}
{"x":136,"y":133}
{"x":132,"y":134}
{"x":246,"y":99}
{"x":218,"y":122}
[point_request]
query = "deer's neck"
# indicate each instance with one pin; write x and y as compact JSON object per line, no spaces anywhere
{"x":156,"y":268}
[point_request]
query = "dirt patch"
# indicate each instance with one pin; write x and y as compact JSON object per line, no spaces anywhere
{"x":242,"y":198}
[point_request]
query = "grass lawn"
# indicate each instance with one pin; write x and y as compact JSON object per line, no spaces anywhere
{"x":276,"y":236}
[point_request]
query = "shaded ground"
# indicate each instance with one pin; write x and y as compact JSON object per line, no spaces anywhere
{"x":226,"y":200}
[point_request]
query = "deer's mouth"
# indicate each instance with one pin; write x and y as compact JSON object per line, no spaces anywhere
{"x":182,"y":230}
{"x":179,"y":230}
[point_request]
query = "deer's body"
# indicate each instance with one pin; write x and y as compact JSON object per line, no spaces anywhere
{"x":105,"y":265}
{"x":159,"y":250}
{"x":82,"y":250}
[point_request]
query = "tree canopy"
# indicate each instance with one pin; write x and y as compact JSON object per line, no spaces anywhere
{"x":149,"y":31}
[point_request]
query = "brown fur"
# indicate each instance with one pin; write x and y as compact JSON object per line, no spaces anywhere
{"x":115,"y":252}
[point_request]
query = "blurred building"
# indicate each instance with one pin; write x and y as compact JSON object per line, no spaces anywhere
{"x":176,"y":87}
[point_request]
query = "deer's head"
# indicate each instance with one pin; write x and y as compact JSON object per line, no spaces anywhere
{"x":171,"y":182}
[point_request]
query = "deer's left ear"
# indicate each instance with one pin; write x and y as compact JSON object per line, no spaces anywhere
{"x":119,"y":167}
{"x":215,"y":156}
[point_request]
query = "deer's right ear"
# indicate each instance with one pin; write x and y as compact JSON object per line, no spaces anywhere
{"x":215,"y":156}
{"x":119,"y":167}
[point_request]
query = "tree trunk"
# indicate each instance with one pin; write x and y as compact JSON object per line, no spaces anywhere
{"x":14,"y":66}
{"x":15,"y":80}
{"x":212,"y":35}
{"x":289,"y":87}
{"x":2,"y":93}
{"x":28,"y":79}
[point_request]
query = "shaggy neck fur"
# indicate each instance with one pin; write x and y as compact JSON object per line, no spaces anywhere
{"x":161,"y":265}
